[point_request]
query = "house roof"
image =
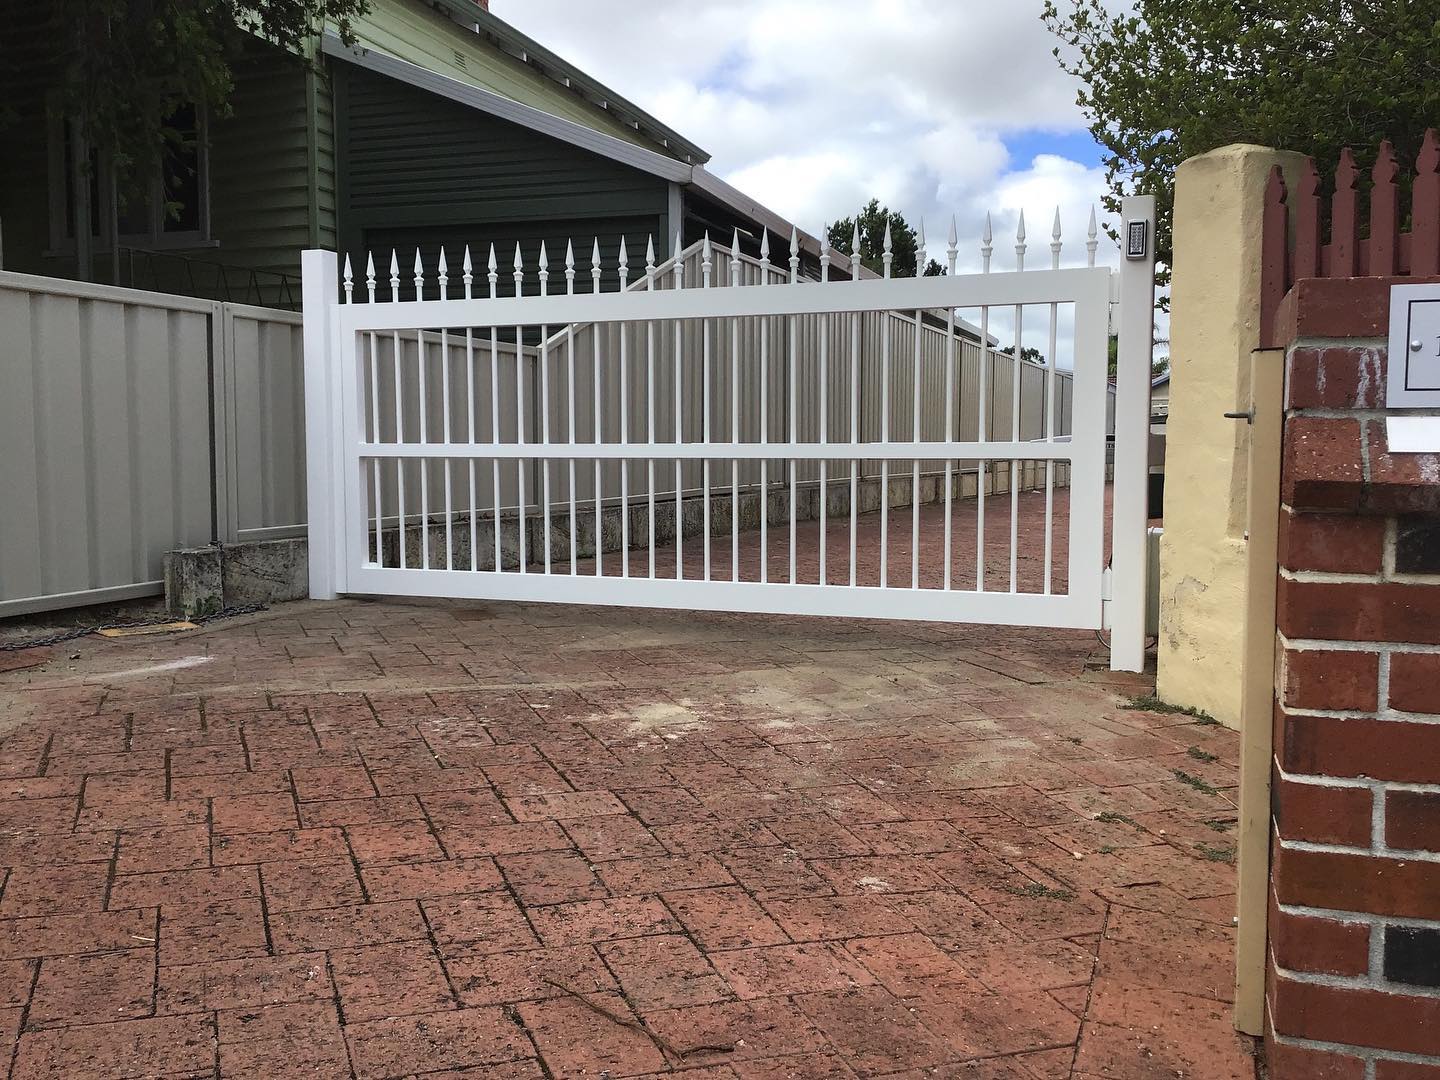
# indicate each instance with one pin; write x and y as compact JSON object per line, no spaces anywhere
{"x":511,"y":41}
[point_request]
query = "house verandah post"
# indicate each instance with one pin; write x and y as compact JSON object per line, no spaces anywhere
{"x":324,"y":425}
{"x":1136,"y":326}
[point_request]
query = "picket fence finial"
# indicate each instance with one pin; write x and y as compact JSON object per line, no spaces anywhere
{"x":419,"y":275}
{"x":370,"y":274}
{"x":1055,"y":242}
{"x":467,"y":274}
{"x":735,"y":257}
{"x":887,"y":255}
{"x":1092,"y":239}
{"x":920,"y":259}
{"x":952,"y":245}
{"x":349,"y":279}
{"x":855,"y":251}
{"x":394,"y":275}
{"x":443,"y":275}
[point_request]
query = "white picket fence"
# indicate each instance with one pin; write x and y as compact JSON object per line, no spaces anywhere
{"x":133,"y":423}
{"x":713,"y":394}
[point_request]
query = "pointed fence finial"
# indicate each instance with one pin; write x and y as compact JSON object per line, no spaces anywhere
{"x":764,"y":247}
{"x":952,"y":246}
{"x":492,"y":267}
{"x":419,"y":276}
{"x":1020,"y":243}
{"x":394,"y":275}
{"x":624,"y":263}
{"x":920,"y":254}
{"x":794,"y":254}
{"x":987,"y":246}
{"x":544,"y":269}
{"x":569,"y":266}
{"x":855,"y":251}
{"x":595,"y":265}
{"x":706,"y":259}
{"x":887,"y":253}
{"x":1092,"y":239}
{"x":1055,"y":242}
{"x":825,"y":252}
{"x":677,"y":267}
{"x":650,"y":260}
{"x":467,"y":272}
{"x":349,"y":280}
{"x":735,"y":257}
{"x":443,"y":275}
{"x":370,"y":274}
{"x":519,"y":272}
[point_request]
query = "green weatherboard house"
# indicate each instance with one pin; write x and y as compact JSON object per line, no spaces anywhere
{"x":442,"y":124}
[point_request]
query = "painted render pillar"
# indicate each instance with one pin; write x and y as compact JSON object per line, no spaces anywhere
{"x":1214,"y":326}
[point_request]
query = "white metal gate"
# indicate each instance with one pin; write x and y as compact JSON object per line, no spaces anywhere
{"x":721,"y":434}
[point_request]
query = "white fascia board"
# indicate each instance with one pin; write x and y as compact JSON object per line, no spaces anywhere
{"x":505,"y":108}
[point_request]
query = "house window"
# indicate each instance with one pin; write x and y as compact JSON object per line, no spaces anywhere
{"x":166,"y":207}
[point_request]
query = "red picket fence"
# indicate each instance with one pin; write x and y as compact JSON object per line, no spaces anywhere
{"x":1294,"y":243}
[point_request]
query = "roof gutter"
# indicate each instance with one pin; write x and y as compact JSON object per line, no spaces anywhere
{"x":567,"y":74}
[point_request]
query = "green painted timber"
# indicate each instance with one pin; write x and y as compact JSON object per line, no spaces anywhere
{"x":435,"y":170}
{"x":417,"y":33}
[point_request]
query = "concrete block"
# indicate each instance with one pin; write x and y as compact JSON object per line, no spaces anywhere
{"x":194,"y":582}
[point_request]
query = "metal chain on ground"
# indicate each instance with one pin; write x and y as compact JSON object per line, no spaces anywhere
{"x":85,"y":631}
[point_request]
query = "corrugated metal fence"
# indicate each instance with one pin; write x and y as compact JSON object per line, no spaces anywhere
{"x":644,"y":385}
{"x":132,"y":423}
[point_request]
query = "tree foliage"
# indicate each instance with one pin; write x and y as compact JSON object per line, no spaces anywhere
{"x":123,"y":67}
{"x":904,"y":241}
{"x":1164,"y":80}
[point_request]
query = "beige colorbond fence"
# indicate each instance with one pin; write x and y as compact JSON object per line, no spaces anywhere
{"x":735,"y":391}
{"x":132,"y":423}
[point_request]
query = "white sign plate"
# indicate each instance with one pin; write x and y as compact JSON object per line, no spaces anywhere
{"x":1412,"y":370}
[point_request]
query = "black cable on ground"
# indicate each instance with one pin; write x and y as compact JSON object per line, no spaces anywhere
{"x":86,"y":631}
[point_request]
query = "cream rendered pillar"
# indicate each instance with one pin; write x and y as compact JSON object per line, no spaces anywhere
{"x":1214,"y":326}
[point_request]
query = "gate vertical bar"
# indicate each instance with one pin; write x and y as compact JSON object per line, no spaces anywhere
{"x":1136,"y":324}
{"x":325,"y":499}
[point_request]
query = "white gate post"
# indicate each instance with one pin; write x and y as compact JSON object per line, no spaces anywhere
{"x":320,"y":290}
{"x":1129,"y":562}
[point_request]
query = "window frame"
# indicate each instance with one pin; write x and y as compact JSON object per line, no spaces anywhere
{"x":102,"y":222}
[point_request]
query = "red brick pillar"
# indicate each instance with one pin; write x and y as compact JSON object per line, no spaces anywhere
{"x":1354,"y":975}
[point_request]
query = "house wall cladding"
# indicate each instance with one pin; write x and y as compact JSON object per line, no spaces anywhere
{"x":417,"y":169}
{"x":1353,"y":987}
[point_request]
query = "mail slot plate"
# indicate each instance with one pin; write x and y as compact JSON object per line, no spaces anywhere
{"x":1413,"y":364}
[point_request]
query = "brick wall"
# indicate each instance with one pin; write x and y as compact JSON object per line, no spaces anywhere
{"x":1353,"y":989}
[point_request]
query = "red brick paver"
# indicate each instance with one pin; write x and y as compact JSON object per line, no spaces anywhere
{"x":366,"y":839}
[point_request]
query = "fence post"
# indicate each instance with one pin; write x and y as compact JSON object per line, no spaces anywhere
{"x":323,"y":422}
{"x":1129,"y":563}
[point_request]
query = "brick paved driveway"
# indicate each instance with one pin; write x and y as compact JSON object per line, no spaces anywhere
{"x":372,"y":839}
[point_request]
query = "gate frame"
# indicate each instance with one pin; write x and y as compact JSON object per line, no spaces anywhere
{"x":335,"y":440}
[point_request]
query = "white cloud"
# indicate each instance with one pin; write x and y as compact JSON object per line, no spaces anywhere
{"x":814,"y":106}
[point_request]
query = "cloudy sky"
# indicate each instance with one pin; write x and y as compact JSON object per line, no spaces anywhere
{"x":936,"y":107}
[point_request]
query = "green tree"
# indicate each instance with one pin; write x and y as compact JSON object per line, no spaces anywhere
{"x":903,"y":241}
{"x":1164,"y":80}
{"x":123,"y":68}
